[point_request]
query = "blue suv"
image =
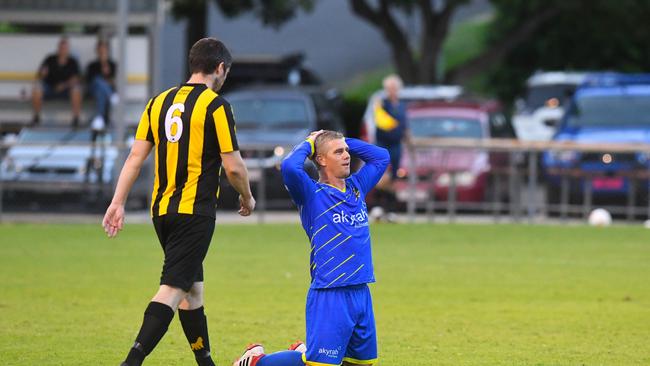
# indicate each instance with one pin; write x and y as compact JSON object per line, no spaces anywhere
{"x":606,"y":108}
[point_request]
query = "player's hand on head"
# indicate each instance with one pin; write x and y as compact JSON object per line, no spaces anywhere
{"x":246,"y":205}
{"x":312,"y":136}
{"x":113,"y":219}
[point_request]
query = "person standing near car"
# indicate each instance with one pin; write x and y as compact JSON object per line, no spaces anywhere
{"x":192,"y":130}
{"x":390,"y":133}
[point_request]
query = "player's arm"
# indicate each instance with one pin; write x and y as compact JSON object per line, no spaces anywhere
{"x":144,"y":141}
{"x":376,"y":161}
{"x":237,"y":175}
{"x":114,"y":218}
{"x":233,"y":164}
{"x":298,"y":182}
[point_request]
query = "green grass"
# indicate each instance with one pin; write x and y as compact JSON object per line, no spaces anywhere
{"x":446,"y":294}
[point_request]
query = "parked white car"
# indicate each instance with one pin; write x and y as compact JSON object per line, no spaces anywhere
{"x":538,"y":113}
{"x":63,"y":160}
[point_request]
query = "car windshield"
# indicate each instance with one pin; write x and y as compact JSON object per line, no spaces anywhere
{"x":445,"y":127}
{"x":608,"y":110}
{"x":539,"y":96}
{"x":270,"y":113}
{"x":55,"y":136}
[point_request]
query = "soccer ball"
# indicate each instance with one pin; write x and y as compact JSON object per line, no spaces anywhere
{"x":600,"y":217}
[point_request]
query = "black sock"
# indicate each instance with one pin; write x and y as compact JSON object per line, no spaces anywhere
{"x":195,"y":326}
{"x":157,"y":317}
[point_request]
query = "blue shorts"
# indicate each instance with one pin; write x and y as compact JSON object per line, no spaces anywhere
{"x":340,"y":326}
{"x":49,"y":92}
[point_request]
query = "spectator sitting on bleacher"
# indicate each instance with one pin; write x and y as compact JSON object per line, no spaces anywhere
{"x":100,"y":76}
{"x":58,"y":77}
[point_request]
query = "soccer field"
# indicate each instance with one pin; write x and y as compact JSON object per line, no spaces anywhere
{"x":445,"y":294}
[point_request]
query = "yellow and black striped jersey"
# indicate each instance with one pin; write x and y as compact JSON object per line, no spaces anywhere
{"x":190,"y":126}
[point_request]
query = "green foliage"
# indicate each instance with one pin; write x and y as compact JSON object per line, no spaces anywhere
{"x":465,"y":41}
{"x":9,"y":28}
{"x":445,"y":294}
{"x":187,"y":8}
{"x":356,"y":94}
{"x":586,"y":35}
{"x":362,"y":86}
{"x":270,"y":12}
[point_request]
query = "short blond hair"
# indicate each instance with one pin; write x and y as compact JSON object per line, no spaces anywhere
{"x":322,"y":139}
{"x":392,"y":78}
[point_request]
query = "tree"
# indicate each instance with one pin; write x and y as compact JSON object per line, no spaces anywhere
{"x":416,"y":63}
{"x":420,"y":64}
{"x":587,"y":35}
{"x":194,"y":11}
{"x":524,"y":34}
{"x":273,"y":13}
{"x":434,"y":28}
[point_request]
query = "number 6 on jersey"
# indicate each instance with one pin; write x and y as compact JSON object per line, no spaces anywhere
{"x":174,"y":133}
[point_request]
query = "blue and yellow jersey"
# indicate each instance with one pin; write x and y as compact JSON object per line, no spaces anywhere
{"x":336,"y":221}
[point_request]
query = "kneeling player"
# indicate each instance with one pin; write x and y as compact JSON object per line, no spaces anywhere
{"x":339,"y":315}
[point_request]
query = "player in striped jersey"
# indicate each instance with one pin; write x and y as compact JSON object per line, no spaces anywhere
{"x":339,"y":315}
{"x":192,"y":131}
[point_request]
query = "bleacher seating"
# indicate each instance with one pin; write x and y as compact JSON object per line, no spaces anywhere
{"x":18,"y":69}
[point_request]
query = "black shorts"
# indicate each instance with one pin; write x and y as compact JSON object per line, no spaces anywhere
{"x":185,"y":240}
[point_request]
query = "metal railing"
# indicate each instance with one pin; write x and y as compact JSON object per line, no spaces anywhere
{"x":520,"y":176}
{"x":524,"y":179}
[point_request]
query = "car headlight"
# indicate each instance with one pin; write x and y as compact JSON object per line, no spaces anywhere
{"x":565,"y":156}
{"x":462,"y":179}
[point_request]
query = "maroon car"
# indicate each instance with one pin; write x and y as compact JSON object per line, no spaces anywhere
{"x":471,"y":169}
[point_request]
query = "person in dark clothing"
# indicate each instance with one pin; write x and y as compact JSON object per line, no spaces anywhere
{"x":58,"y":77}
{"x":100,"y":77}
{"x":391,"y":132}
